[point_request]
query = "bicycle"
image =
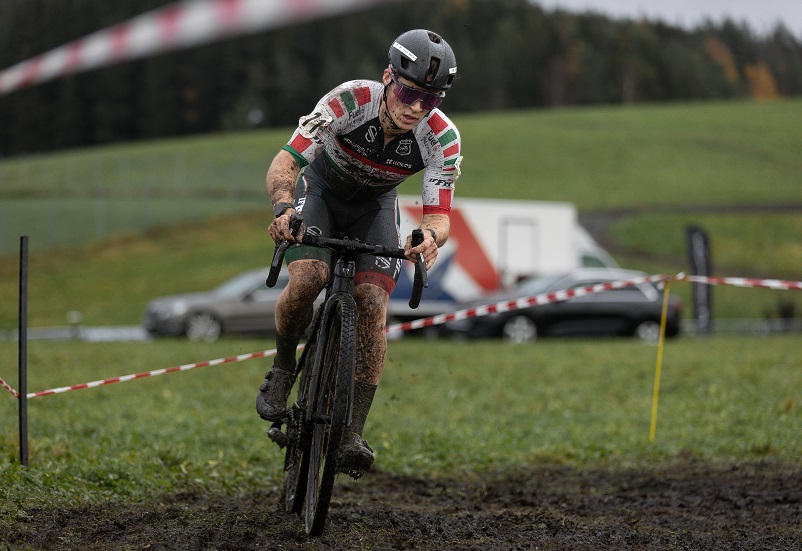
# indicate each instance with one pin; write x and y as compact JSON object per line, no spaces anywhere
{"x":316,"y":420}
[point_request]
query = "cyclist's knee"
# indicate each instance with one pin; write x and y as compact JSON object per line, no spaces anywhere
{"x":371,"y":301}
{"x":307,"y":279}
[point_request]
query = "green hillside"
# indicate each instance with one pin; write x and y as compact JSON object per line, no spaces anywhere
{"x":124,"y":223}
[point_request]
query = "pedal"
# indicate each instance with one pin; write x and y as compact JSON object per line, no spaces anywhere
{"x":355,"y":474}
{"x":277,"y":436}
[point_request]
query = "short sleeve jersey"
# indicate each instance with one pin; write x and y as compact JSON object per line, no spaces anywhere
{"x":343,"y":138}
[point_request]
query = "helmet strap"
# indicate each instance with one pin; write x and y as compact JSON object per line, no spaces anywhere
{"x":387,"y":109}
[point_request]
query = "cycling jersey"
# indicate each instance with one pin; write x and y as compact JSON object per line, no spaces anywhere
{"x":344,"y":140}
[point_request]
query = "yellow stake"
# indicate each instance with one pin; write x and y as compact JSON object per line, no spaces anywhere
{"x":659,"y":366}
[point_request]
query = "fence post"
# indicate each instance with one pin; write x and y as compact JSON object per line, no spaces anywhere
{"x":23,"y":351}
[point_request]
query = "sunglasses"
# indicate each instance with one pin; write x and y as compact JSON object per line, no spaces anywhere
{"x":408,"y":95}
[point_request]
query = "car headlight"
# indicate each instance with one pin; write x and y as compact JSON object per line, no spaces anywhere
{"x":179,"y":308}
{"x":166,"y":310}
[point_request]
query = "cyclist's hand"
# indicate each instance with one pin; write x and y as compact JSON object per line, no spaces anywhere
{"x":428,"y":248}
{"x":280,"y":229}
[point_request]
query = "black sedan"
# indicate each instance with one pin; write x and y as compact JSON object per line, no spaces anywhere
{"x":631,"y":311}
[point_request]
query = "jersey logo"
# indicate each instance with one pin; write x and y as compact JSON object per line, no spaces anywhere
{"x":371,"y":134}
{"x":404,"y":147}
{"x":311,"y":124}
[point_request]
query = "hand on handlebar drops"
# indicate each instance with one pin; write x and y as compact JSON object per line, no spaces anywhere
{"x":280,"y":230}
{"x":428,"y":248}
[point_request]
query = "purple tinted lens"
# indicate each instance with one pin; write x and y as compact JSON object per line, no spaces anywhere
{"x":409,"y":96}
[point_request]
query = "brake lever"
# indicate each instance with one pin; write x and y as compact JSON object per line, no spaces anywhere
{"x":421,"y":279}
{"x":278,"y":255}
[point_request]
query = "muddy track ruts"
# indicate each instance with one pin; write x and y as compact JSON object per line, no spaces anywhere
{"x":688,"y":504}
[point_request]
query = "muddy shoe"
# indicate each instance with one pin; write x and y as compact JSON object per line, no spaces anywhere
{"x":271,"y":402}
{"x":356,"y":457}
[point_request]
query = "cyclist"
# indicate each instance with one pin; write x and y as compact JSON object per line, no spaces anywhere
{"x":359,"y":143}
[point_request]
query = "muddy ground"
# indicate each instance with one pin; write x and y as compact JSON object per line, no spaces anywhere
{"x":688,"y":505}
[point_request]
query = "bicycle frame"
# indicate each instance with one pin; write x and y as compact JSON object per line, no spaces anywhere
{"x":313,"y":434}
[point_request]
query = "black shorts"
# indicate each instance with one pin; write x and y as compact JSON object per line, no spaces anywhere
{"x":376,"y":221}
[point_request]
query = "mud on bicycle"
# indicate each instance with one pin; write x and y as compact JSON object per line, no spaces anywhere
{"x":312,"y":428}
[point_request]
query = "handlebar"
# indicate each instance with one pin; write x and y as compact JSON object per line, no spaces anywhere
{"x":353,"y":246}
{"x":421,"y":280}
{"x":278,"y":254}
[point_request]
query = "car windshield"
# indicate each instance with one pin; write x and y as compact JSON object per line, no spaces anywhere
{"x":538,"y":285}
{"x":241,"y":284}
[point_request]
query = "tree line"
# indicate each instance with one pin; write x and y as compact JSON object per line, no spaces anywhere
{"x":511,"y":54}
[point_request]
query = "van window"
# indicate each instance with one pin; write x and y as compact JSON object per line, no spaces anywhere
{"x":589,"y":261}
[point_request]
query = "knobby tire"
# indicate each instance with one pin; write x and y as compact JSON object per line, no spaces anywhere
{"x":329,"y":404}
{"x":296,"y":461}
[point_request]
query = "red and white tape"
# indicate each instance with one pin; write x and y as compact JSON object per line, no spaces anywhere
{"x":185,"y":367}
{"x":6,"y":386}
{"x":742,"y":282}
{"x":523,"y":302}
{"x":180,"y":25}
{"x":503,"y":306}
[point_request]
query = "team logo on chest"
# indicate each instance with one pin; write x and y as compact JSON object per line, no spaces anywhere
{"x":371,"y":134}
{"x":404,"y":147}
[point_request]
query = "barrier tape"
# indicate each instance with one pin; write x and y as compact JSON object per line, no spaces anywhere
{"x":742,"y":282}
{"x":176,"y":26}
{"x":503,"y":306}
{"x":523,"y":302}
{"x":6,"y":386}
{"x":125,"y":378}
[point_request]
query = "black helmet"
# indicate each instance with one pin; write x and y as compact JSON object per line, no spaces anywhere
{"x":425,"y":58}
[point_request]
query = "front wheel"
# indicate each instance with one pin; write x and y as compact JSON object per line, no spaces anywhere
{"x":329,"y":404}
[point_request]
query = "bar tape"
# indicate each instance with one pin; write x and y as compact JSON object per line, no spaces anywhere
{"x":176,"y":26}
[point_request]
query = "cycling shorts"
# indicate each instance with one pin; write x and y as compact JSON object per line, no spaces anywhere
{"x":375,"y":221}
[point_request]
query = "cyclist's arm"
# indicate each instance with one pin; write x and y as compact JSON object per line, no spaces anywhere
{"x":280,"y":180}
{"x":437,"y":223}
{"x":440,"y":224}
{"x":281,"y":177}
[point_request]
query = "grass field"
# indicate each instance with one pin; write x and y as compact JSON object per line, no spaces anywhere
{"x":109,"y":217}
{"x":444,"y":408}
{"x":555,"y":402}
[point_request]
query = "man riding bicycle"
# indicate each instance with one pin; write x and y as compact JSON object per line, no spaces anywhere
{"x":361,"y":141}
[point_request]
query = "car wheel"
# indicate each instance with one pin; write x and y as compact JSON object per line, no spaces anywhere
{"x":648,"y":331}
{"x":519,"y":329}
{"x":203,"y":326}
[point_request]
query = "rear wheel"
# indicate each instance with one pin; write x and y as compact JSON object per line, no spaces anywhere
{"x":329,"y":403}
{"x":519,"y":329}
{"x":296,"y":460}
{"x":295,"y":481}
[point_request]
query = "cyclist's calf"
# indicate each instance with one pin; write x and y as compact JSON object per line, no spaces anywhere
{"x":295,"y":304}
{"x":371,"y":349}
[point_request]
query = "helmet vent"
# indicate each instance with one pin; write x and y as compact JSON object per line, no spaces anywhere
{"x":434,"y":65}
{"x":434,"y":38}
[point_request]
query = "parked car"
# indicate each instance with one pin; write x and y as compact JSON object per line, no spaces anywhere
{"x":634,"y":311}
{"x":242,"y":305}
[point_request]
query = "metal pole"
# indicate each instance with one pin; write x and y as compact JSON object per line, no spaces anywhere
{"x":23,"y":351}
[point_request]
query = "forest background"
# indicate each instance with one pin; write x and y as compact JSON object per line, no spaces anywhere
{"x":511,"y":54}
